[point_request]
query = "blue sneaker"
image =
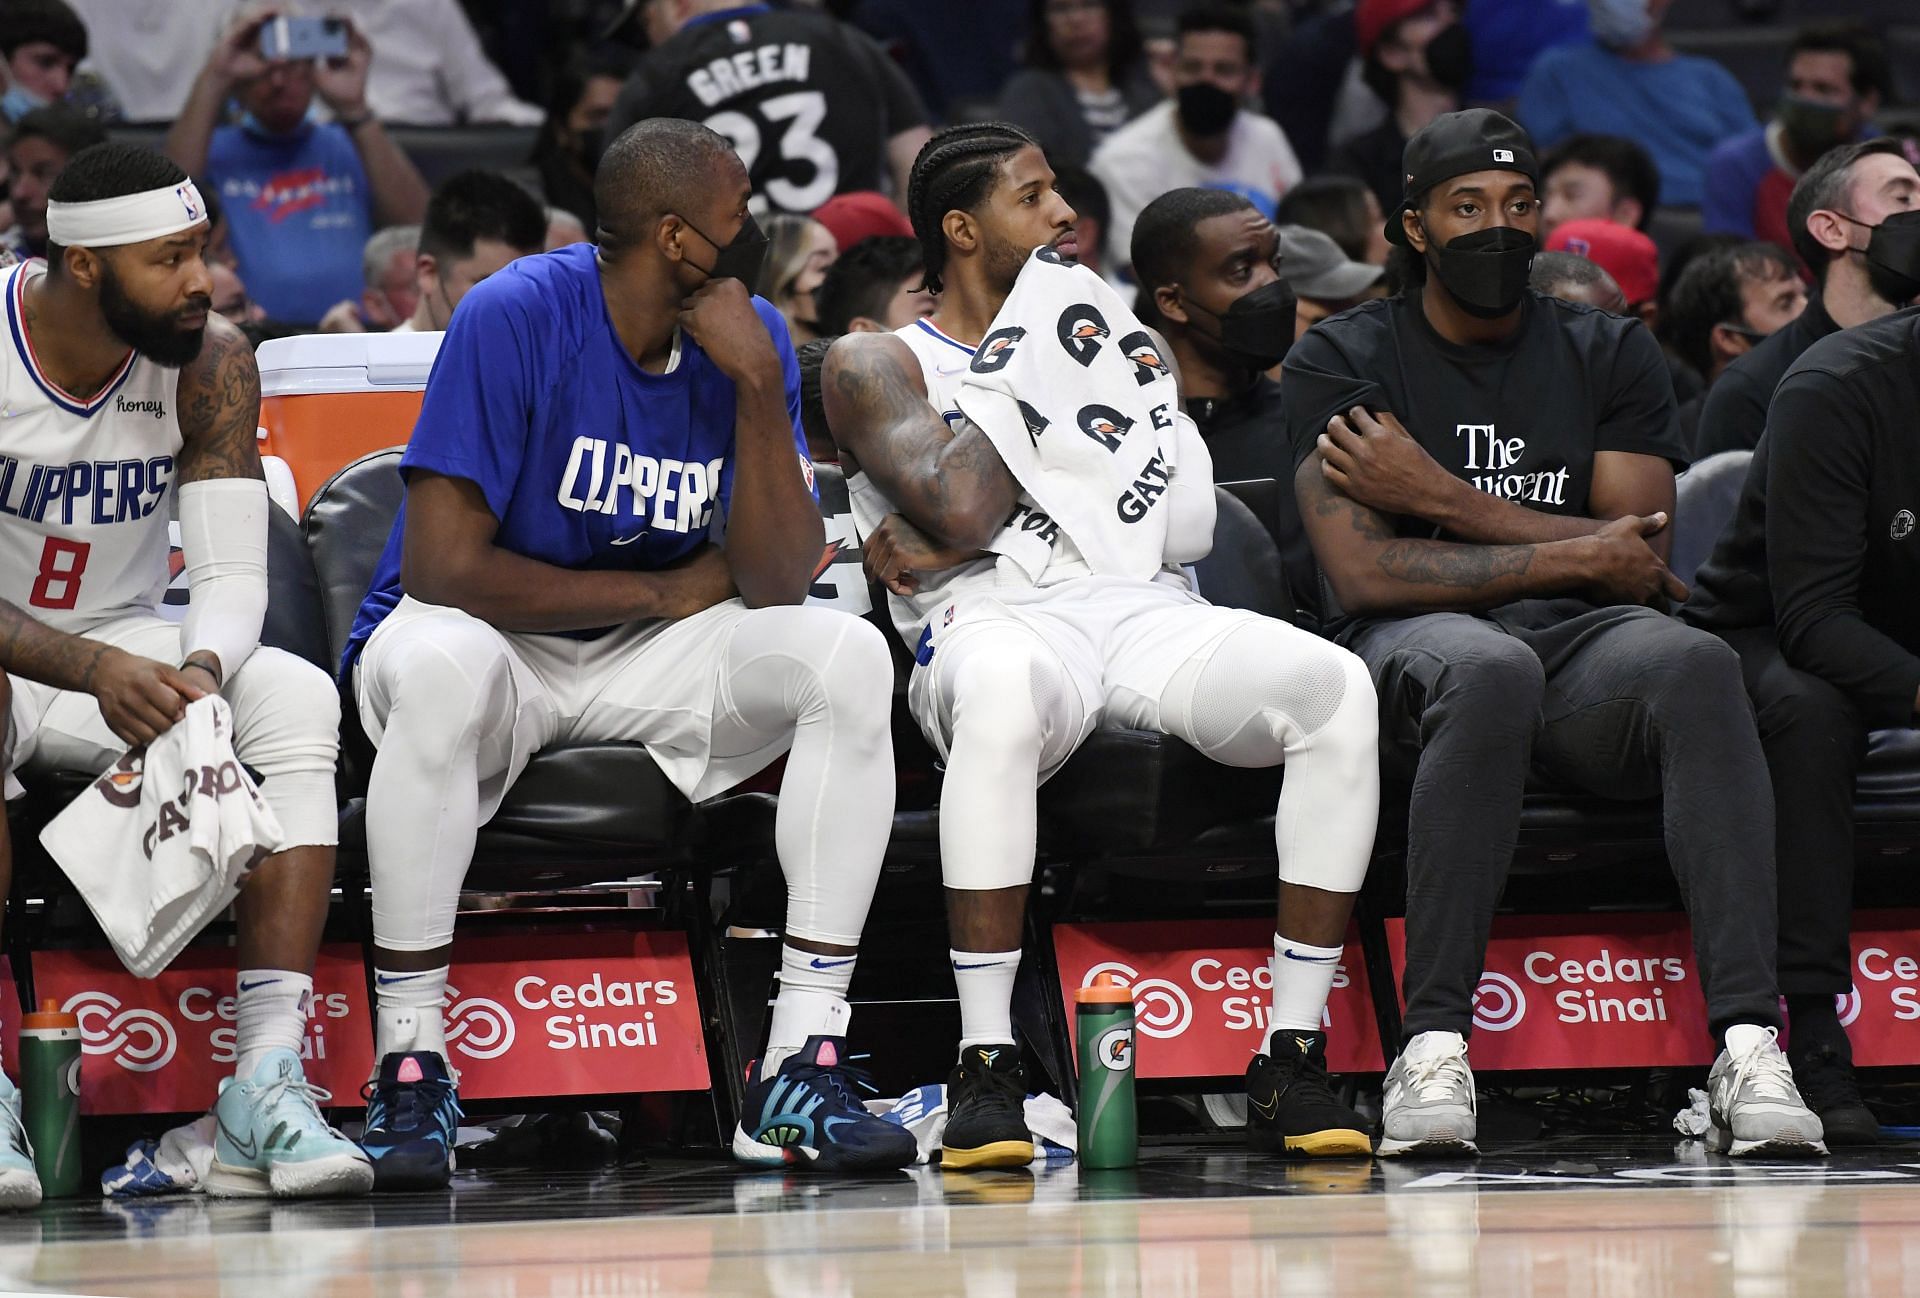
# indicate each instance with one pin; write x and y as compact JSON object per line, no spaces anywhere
{"x":413,"y":1113}
{"x":19,"y":1181}
{"x":808,"y":1113}
{"x":269,"y":1138}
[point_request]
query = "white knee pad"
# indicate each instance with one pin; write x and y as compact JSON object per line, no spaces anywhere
{"x":1009,"y":709}
{"x":444,"y":680}
{"x":287,"y":727}
{"x":1001,"y":697}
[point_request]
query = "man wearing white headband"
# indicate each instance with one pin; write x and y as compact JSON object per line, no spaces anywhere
{"x":120,"y":388}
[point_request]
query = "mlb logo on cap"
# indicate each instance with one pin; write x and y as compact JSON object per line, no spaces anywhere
{"x":1503,"y":155}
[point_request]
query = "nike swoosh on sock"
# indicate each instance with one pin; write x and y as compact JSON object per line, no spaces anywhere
{"x":818,"y":963}
{"x":388,"y":980}
{"x":264,"y":982}
{"x":1291,"y":954}
{"x":987,"y":964}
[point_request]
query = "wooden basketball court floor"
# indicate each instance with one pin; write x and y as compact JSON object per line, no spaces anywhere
{"x":1575,"y":1218}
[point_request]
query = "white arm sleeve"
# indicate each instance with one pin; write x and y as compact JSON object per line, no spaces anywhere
{"x":1191,"y":507}
{"x":223,"y":530}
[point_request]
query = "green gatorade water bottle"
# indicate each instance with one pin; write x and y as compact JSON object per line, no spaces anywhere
{"x":50,"y":1073}
{"x":1103,"y":1033}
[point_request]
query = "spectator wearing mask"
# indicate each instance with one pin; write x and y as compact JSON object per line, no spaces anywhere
{"x":1204,"y":135}
{"x":1539,"y":436}
{"x":1628,"y":81}
{"x":392,"y":289}
{"x":1728,"y":301}
{"x":1324,"y":280}
{"x":1837,"y":214}
{"x":1721,"y":306}
{"x":764,"y":78}
{"x":1416,"y":58}
{"x":1084,"y":78}
{"x":1343,"y":209}
{"x":1837,"y":78}
{"x":1572,"y":278}
{"x":1627,"y":255}
{"x":568,"y":146}
{"x":431,"y":70}
{"x":477,"y":222}
{"x":1813,"y":584}
{"x":301,"y":196}
{"x":877,"y":286}
{"x":43,"y":141}
{"x":1209,"y":268}
{"x":1597,"y":177}
{"x":799,"y":253}
{"x":42,"y":42}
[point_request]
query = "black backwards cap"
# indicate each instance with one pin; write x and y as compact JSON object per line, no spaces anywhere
{"x":1456,"y":144}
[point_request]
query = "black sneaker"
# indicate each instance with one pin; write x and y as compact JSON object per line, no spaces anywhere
{"x":1825,"y":1078}
{"x":1291,"y":1109}
{"x":987,"y":1110}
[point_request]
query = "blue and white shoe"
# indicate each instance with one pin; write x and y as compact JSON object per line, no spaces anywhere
{"x":19,"y":1181}
{"x":413,"y":1116}
{"x":269,"y":1138}
{"x":809,"y":1114}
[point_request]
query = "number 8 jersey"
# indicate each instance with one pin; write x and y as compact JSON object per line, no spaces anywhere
{"x":83,"y":484}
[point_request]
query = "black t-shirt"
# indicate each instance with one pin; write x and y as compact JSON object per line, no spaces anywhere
{"x":1521,"y":419}
{"x":1825,"y":544}
{"x":1735,"y":412}
{"x":809,"y":103}
{"x":1247,"y":438}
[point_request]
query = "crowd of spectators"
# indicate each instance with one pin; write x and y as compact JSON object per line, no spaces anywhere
{"x":1662,"y":194}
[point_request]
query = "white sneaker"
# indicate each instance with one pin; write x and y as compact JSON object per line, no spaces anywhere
{"x":1753,"y":1107}
{"x":1429,"y":1108}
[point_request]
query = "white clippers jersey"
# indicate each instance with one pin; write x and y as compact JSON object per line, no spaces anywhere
{"x":943,"y":363}
{"x":83,"y":485}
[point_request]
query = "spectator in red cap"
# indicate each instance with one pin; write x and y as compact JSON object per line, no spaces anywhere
{"x":862,"y":214}
{"x":1415,"y":56}
{"x":1627,"y":255}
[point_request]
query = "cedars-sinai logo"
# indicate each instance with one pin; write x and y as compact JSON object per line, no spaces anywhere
{"x":478,"y":1027}
{"x":1498,"y":1003}
{"x":140,"y":1041}
{"x":1161,"y":1009}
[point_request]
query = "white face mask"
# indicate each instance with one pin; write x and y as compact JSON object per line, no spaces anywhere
{"x":1620,"y":24}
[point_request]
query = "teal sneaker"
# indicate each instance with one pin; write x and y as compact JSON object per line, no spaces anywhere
{"x":19,"y":1182}
{"x":269,"y":1138}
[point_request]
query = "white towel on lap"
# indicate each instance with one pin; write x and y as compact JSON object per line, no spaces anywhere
{"x":159,"y":844}
{"x":1073,"y":393}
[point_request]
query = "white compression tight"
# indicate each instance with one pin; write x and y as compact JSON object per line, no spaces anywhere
{"x":453,"y":699}
{"x":1267,"y":694}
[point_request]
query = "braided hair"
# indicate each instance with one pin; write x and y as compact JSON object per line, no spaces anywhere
{"x":955,"y":171}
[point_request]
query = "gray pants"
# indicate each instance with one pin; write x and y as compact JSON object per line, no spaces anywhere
{"x":1623,"y":702}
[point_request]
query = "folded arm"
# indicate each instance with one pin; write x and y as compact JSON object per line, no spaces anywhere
{"x":949,"y":483}
{"x":448,"y":557}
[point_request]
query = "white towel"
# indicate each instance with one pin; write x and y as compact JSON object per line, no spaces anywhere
{"x":159,"y":844}
{"x":1074,"y":394}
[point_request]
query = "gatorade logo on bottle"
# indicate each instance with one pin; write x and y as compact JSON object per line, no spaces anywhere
{"x":1114,"y":1049}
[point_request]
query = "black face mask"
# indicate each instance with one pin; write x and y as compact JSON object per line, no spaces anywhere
{"x":1810,"y":126}
{"x":741,"y":259}
{"x":1485,"y":271}
{"x":1893,"y":257}
{"x":1257,"y":330}
{"x":1449,"y":57}
{"x":1206,"y":109}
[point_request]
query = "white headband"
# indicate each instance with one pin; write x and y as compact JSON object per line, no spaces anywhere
{"x":131,"y":218}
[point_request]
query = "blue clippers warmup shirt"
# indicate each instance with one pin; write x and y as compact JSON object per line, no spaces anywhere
{"x":587,"y":460}
{"x":299,"y":211}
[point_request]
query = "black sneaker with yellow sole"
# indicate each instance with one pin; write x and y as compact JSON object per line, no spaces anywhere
{"x":1291,"y":1108}
{"x":987,"y":1110}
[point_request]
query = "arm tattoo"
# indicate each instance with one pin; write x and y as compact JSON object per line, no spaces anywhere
{"x":219,"y":401}
{"x":1462,"y":567}
{"x":34,"y":651}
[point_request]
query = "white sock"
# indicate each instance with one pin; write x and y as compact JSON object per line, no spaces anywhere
{"x":408,"y":1011}
{"x":1302,"y":981}
{"x":271,"y":1013}
{"x":813,"y":994}
{"x":985,"y":982}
